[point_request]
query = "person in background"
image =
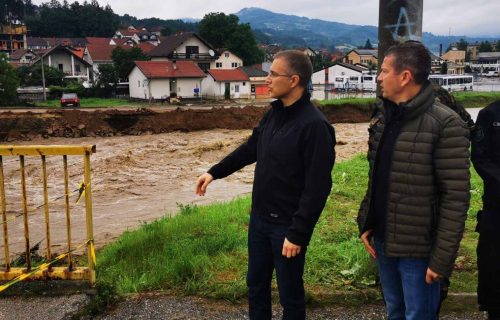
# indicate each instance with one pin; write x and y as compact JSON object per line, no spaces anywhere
{"x":486,"y":160}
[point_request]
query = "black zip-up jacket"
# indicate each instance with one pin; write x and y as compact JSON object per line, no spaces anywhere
{"x":486,"y":154}
{"x":294,"y":150}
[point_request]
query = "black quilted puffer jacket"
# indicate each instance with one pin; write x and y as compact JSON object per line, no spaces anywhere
{"x":429,"y":183}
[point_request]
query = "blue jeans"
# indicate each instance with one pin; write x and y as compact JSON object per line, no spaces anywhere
{"x":407,"y":296}
{"x":265,"y":243}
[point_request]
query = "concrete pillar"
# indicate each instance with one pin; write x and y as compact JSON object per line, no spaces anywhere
{"x":72,"y":65}
{"x":399,"y":21}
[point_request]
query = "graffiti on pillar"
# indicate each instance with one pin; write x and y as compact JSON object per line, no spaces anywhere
{"x":403,"y":24}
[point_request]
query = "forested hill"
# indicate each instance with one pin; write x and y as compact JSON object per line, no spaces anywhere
{"x":294,"y":31}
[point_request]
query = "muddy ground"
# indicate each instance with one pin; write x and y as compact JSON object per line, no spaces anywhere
{"x":138,"y":175}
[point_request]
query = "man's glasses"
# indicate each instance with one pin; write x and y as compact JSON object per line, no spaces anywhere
{"x":273,"y":74}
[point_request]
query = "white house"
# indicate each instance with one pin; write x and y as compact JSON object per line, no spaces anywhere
{"x":227,"y":60}
{"x":235,"y":80}
{"x":343,"y":76}
{"x":159,"y":79}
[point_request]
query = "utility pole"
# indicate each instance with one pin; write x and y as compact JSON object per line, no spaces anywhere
{"x":399,"y":21}
{"x":43,"y":81}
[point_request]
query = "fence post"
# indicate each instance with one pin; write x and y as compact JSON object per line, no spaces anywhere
{"x":88,"y":211}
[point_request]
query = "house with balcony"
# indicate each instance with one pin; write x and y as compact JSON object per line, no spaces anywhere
{"x":157,"y":80}
{"x":69,"y":62}
{"x":185,"y":46}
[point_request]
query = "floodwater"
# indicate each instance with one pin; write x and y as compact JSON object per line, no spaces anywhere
{"x":136,"y":179}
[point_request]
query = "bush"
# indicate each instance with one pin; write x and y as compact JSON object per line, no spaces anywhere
{"x":57,"y":91}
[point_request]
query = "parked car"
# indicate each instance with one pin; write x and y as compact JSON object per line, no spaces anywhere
{"x":70,"y":99}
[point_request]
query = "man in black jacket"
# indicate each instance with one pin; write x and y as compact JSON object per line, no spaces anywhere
{"x":486,"y":160}
{"x":293,"y":146}
{"x":418,"y":191}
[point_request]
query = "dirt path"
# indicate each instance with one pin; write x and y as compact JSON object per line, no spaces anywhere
{"x":135,"y":179}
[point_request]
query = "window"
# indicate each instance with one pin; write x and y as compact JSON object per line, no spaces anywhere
{"x":234,"y":65}
{"x":244,"y":83}
{"x":353,"y":78}
{"x":218,"y":64}
{"x":60,"y":66}
{"x":77,"y":68}
{"x":139,"y":83}
{"x":237,"y":88}
{"x":191,"y":50}
{"x":339,"y":79}
{"x":226,"y":54}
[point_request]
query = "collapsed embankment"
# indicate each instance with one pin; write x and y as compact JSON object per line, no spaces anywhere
{"x":74,"y":123}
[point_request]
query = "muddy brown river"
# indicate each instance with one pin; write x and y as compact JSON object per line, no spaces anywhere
{"x":135,"y":179}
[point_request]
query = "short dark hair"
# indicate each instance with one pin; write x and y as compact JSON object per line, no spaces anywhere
{"x":414,"y":56}
{"x":298,"y":63}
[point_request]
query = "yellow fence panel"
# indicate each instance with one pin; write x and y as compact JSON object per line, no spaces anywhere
{"x":47,"y":270}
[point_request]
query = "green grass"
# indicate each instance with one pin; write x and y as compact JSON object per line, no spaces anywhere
{"x":202,"y":250}
{"x":90,"y":103}
{"x":476,"y":99}
{"x":354,"y":101}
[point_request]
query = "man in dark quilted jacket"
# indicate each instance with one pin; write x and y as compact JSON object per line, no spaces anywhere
{"x":413,"y":215}
{"x":486,"y":160}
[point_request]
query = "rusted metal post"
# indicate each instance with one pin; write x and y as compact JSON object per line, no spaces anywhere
{"x":68,"y":217}
{"x":88,"y":210}
{"x":25,"y":214}
{"x":46,"y":207}
{"x":399,"y":21}
{"x":4,"y":218}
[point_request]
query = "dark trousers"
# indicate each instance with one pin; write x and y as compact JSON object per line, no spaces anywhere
{"x":265,"y":243}
{"x":488,"y":262}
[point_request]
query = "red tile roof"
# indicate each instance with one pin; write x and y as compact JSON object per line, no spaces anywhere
{"x":96,"y":40}
{"x":228,"y":75}
{"x":146,"y":46}
{"x":100,"y":52}
{"x":165,"y":69}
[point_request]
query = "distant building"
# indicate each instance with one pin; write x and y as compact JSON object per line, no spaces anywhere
{"x":362,"y":56}
{"x":155,"y":80}
{"x":12,"y":37}
{"x":455,"y":60}
{"x":485,"y":62}
{"x":258,"y":86}
{"x":218,"y":81}
{"x":226,"y":60}
{"x":344,"y":76}
{"x":185,"y":46}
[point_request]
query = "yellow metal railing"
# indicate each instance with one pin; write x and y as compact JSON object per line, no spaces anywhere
{"x":46,"y":270}
{"x":13,"y":29}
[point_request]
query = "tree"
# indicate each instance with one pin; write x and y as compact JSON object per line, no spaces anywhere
{"x":498,"y":46}
{"x":32,"y":76}
{"x":106,"y":80}
{"x":368,"y":45}
{"x":242,"y":43}
{"x":224,"y":31}
{"x":485,"y":46}
{"x":444,"y":68}
{"x":72,"y":20}
{"x":123,"y":60}
{"x":462,"y":44}
{"x":217,"y":27}
{"x":9,"y":82}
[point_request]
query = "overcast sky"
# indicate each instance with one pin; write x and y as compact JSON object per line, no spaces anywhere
{"x":441,"y":17}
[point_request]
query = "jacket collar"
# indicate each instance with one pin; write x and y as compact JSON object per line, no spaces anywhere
{"x":414,"y":107}
{"x":278,"y":104}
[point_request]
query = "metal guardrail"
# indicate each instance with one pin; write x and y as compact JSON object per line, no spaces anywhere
{"x":46,"y":270}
